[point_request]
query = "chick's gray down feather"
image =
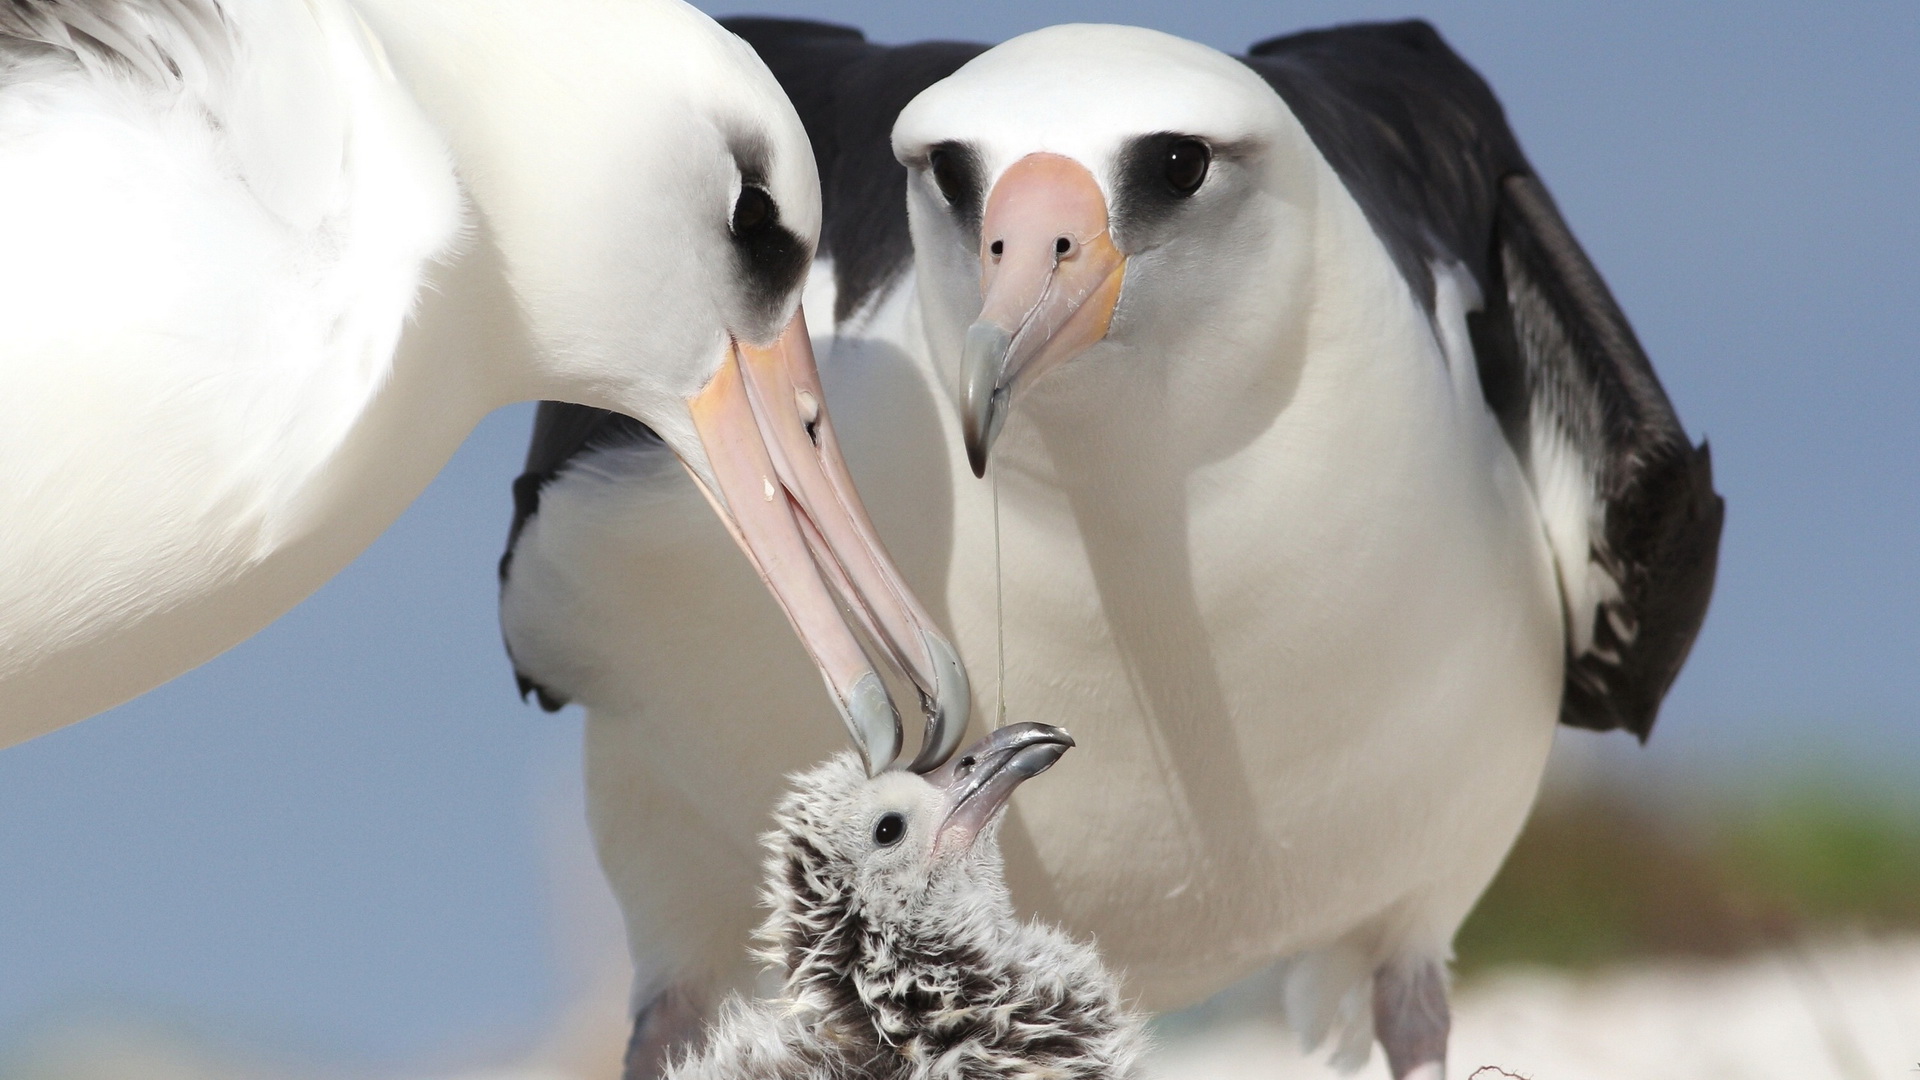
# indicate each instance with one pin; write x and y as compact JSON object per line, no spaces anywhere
{"x":917,"y":971}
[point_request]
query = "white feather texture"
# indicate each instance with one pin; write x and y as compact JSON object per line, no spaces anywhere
{"x":202,"y":296}
{"x":268,"y":262}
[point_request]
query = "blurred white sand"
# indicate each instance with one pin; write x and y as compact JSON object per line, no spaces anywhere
{"x":1844,"y":1010}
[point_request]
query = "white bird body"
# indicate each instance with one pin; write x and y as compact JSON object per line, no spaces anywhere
{"x":1267,"y":544}
{"x":1236,"y":801}
{"x":1269,"y":673}
{"x":206,"y":277}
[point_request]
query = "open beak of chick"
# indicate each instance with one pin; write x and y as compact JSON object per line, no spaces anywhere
{"x":978,"y":780}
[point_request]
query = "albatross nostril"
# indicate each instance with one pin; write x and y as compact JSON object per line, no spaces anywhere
{"x":809,"y":407}
{"x":998,"y":247}
{"x":1063,"y":246}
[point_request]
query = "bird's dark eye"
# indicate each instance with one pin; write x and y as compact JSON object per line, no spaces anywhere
{"x":752,"y":211}
{"x":1187,"y":161}
{"x":889,"y":829}
{"x":948,"y":175}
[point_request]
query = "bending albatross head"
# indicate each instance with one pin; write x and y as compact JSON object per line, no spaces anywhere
{"x":653,"y":198}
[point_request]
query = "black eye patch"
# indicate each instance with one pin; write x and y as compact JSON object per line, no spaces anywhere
{"x":955,"y":170}
{"x":771,"y":258}
{"x":1156,"y":177}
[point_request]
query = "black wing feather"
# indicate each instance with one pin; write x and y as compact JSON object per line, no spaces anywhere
{"x":1417,"y":136}
{"x":1586,"y":373}
{"x":1423,"y":145}
{"x":562,"y":432}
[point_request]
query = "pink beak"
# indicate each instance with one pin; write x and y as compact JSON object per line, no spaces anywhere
{"x":1050,"y":276}
{"x":785,"y":494}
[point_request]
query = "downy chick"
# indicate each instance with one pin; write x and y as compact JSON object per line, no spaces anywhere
{"x":900,"y":953}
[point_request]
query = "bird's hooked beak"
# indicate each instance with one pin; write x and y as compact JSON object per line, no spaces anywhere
{"x":1050,"y":276}
{"x":978,"y":781}
{"x":785,"y":494}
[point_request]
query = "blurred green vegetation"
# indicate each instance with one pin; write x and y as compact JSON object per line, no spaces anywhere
{"x":1606,"y":873}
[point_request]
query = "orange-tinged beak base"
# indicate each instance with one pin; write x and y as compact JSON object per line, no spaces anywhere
{"x":1050,"y":276}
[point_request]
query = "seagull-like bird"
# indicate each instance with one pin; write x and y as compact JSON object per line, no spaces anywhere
{"x":266,"y":264}
{"x":1326,"y":477}
{"x":899,"y":954}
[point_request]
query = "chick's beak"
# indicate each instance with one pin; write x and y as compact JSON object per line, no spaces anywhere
{"x":782,"y":488}
{"x":978,"y":781}
{"x":1050,"y":276}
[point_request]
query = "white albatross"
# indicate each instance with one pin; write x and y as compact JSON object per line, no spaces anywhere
{"x":1330,"y":477}
{"x":266,"y":263}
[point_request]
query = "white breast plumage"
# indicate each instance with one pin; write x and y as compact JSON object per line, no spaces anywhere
{"x":1273,"y":532}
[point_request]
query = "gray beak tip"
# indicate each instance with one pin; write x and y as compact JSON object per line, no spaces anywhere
{"x":982,"y":397}
{"x":949,"y":708}
{"x":1036,"y":759}
{"x":874,"y":723}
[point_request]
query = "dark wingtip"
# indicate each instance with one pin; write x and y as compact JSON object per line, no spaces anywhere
{"x":749,"y":26}
{"x":1413,"y":33}
{"x":1680,"y":517}
{"x":548,"y":701}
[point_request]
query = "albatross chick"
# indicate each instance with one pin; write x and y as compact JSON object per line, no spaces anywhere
{"x":898,"y":948}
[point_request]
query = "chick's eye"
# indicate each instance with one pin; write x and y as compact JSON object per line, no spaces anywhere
{"x":946,"y":174}
{"x":752,"y":210}
{"x":889,"y":829}
{"x":1186,"y":166}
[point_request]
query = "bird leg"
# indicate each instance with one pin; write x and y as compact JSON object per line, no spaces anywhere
{"x":1410,"y":1018}
{"x":665,"y":1028}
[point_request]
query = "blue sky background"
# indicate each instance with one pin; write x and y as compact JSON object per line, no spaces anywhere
{"x":336,"y":837}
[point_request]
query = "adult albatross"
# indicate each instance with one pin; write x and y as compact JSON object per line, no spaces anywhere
{"x":1329,"y":477}
{"x":267,"y":263}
